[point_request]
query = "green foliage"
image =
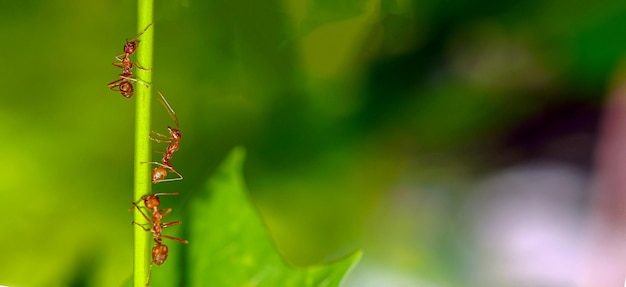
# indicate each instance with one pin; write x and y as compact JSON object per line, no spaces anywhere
{"x":230,"y":246}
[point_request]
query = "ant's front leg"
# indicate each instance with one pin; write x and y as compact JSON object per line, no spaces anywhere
{"x":169,"y":139}
{"x":135,"y":205}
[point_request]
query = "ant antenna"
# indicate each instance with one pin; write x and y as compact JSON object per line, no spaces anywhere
{"x":134,"y":39}
{"x":169,"y":109}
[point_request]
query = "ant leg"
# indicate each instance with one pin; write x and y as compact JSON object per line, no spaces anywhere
{"x":169,"y":137}
{"x":120,"y":55}
{"x":177,"y":173}
{"x":143,"y":227}
{"x":141,"y":82}
{"x":155,"y":194}
{"x":128,"y":78}
{"x":143,"y":213}
{"x":160,"y":134}
{"x":169,"y":224}
{"x":180,"y":176}
{"x":171,"y":179}
{"x":175,"y":239}
{"x":115,"y":83}
{"x":164,"y":212}
{"x":118,"y":65}
{"x":141,"y":67}
{"x":135,"y":205}
{"x":115,"y":88}
{"x":149,"y":273}
{"x":160,"y":141}
{"x":166,"y":193}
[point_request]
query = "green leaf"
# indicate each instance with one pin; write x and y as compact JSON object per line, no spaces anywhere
{"x":230,"y":246}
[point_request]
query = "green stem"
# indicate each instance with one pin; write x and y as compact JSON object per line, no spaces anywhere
{"x":142,"y":136}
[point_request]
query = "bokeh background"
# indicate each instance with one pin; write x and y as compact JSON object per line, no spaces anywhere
{"x":457,"y":143}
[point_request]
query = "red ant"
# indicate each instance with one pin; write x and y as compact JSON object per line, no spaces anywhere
{"x":160,"y":250}
{"x":173,"y":139}
{"x":123,"y":84}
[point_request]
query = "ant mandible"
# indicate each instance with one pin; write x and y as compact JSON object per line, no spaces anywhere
{"x":123,"y":84}
{"x":160,"y":250}
{"x":159,"y":173}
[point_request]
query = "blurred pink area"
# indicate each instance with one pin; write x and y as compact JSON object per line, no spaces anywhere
{"x":550,"y":224}
{"x":605,"y":248}
{"x":525,"y":225}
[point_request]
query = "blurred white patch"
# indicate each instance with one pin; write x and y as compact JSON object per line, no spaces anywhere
{"x":365,"y":275}
{"x":526,"y":224}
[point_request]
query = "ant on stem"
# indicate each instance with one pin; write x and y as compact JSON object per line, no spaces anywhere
{"x":160,"y":250}
{"x":173,"y":139}
{"x":123,"y":84}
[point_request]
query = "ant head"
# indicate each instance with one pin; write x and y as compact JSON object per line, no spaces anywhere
{"x":176,"y":134}
{"x":151,"y":201}
{"x":159,"y":254}
{"x":130,"y":47}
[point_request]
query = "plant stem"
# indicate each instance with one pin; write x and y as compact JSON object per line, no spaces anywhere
{"x":143,"y":149}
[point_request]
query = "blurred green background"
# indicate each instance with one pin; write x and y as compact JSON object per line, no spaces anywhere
{"x":369,"y":124}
